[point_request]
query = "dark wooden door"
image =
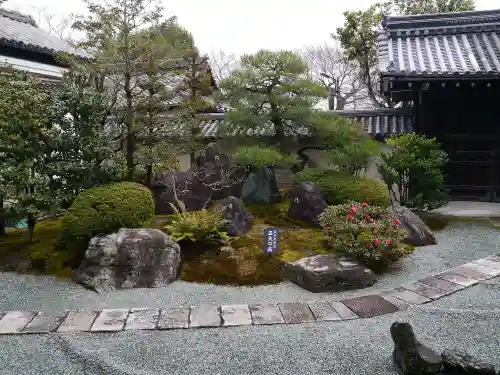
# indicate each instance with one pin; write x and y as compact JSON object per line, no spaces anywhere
{"x":472,"y":170}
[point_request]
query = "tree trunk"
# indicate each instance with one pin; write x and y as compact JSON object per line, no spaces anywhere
{"x":31,"y":226}
{"x":149,"y":174}
{"x":129,"y":124}
{"x":3,"y":219}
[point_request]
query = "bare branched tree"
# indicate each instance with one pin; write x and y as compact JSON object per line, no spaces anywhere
{"x":327,"y":62}
{"x":222,"y":64}
{"x":55,"y":24}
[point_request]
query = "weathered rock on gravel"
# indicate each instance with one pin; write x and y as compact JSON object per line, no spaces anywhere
{"x":129,"y":258}
{"x":458,"y":362}
{"x":419,"y":233}
{"x":307,"y":201}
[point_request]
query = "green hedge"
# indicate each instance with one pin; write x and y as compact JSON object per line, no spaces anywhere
{"x":103,"y":210}
{"x":341,"y":188}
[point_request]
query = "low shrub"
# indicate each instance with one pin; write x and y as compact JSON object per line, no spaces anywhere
{"x":367,"y":233}
{"x":341,"y":187}
{"x":196,"y":227}
{"x":103,"y":210}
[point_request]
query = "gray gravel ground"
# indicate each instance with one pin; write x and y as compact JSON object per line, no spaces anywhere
{"x":467,"y":320}
{"x":458,"y":244}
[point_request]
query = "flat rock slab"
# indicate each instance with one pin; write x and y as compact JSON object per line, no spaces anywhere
{"x":395,"y":301}
{"x":409,"y":296}
{"x":110,"y":320}
{"x":296,"y":313}
{"x":205,"y":317}
{"x":77,"y":321}
{"x":457,"y":279}
{"x":44,"y":323}
{"x":369,"y":306}
{"x":488,"y":263}
{"x":444,"y":285}
{"x":266,"y":314}
{"x":15,"y":321}
{"x":425,"y":290}
{"x":236,"y":315}
{"x":175,"y":318}
{"x":344,"y":312}
{"x":323,"y":311}
{"x":471,"y":273}
{"x":493,"y":272}
{"x":142,"y":318}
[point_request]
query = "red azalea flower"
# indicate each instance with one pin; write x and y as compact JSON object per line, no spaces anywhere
{"x":350,"y":217}
{"x":365,"y":204}
{"x":367,"y":217}
{"x":370,"y":246}
{"x":387,"y":242}
{"x":396,"y":222}
{"x":376,"y":242}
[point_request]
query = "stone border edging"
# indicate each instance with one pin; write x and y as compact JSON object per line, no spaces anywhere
{"x":419,"y":292}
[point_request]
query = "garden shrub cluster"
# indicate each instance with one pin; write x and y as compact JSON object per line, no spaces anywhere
{"x":341,"y":187}
{"x":367,"y":233}
{"x":103,"y":210}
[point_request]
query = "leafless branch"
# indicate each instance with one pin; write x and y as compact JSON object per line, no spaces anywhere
{"x":222,"y":64}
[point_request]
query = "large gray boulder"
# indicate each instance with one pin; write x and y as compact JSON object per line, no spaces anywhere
{"x":461,"y":363}
{"x":261,"y":187}
{"x":130,"y":258}
{"x":328,"y":273}
{"x":307,"y":201}
{"x":411,"y":356}
{"x":419,"y":233}
{"x":237,"y":220}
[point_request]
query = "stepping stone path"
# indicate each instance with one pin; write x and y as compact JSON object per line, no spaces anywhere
{"x":419,"y":292}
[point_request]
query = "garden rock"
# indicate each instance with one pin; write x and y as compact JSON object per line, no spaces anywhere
{"x":261,"y":187}
{"x":306,"y":202}
{"x":409,"y":355}
{"x":186,"y":186}
{"x":419,"y":233}
{"x":214,"y":168}
{"x":130,"y":258}
{"x":461,"y":363}
{"x":328,"y":273}
{"x":237,"y":219}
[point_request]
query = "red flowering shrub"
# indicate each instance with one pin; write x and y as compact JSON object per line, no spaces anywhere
{"x":368,"y":233}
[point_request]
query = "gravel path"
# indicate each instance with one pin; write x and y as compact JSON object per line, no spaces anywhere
{"x":458,"y":244}
{"x":466,"y":320}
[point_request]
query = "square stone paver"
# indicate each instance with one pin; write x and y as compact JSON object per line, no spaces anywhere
{"x":323,"y":311}
{"x":409,"y":296}
{"x":369,"y":306}
{"x":142,"y":318}
{"x":110,"y":320}
{"x":344,"y":312}
{"x":205,"y":317}
{"x":444,"y":285}
{"x":493,"y":272}
{"x":236,"y":315}
{"x":44,"y":323}
{"x":471,"y":273}
{"x":266,"y":314}
{"x":425,"y":290}
{"x":488,"y":263}
{"x":296,"y":313}
{"x":15,"y":321}
{"x":174,"y":318}
{"x":457,"y":279}
{"x":395,"y":301}
{"x":77,"y":321}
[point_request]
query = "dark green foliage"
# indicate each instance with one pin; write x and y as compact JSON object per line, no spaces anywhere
{"x":83,"y":155}
{"x":103,"y":210}
{"x":413,"y":172}
{"x":341,"y":187}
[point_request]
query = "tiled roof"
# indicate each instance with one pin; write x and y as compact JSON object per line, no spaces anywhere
{"x":383,"y":121}
{"x":464,"y":44}
{"x":20,"y":32}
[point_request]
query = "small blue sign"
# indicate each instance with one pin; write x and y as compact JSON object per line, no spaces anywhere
{"x":270,"y":240}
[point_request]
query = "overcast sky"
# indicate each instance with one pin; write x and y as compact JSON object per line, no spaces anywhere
{"x":245,"y":26}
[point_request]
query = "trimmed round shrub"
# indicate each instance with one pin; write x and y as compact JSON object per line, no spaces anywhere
{"x":341,"y":187}
{"x":105,"y":209}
